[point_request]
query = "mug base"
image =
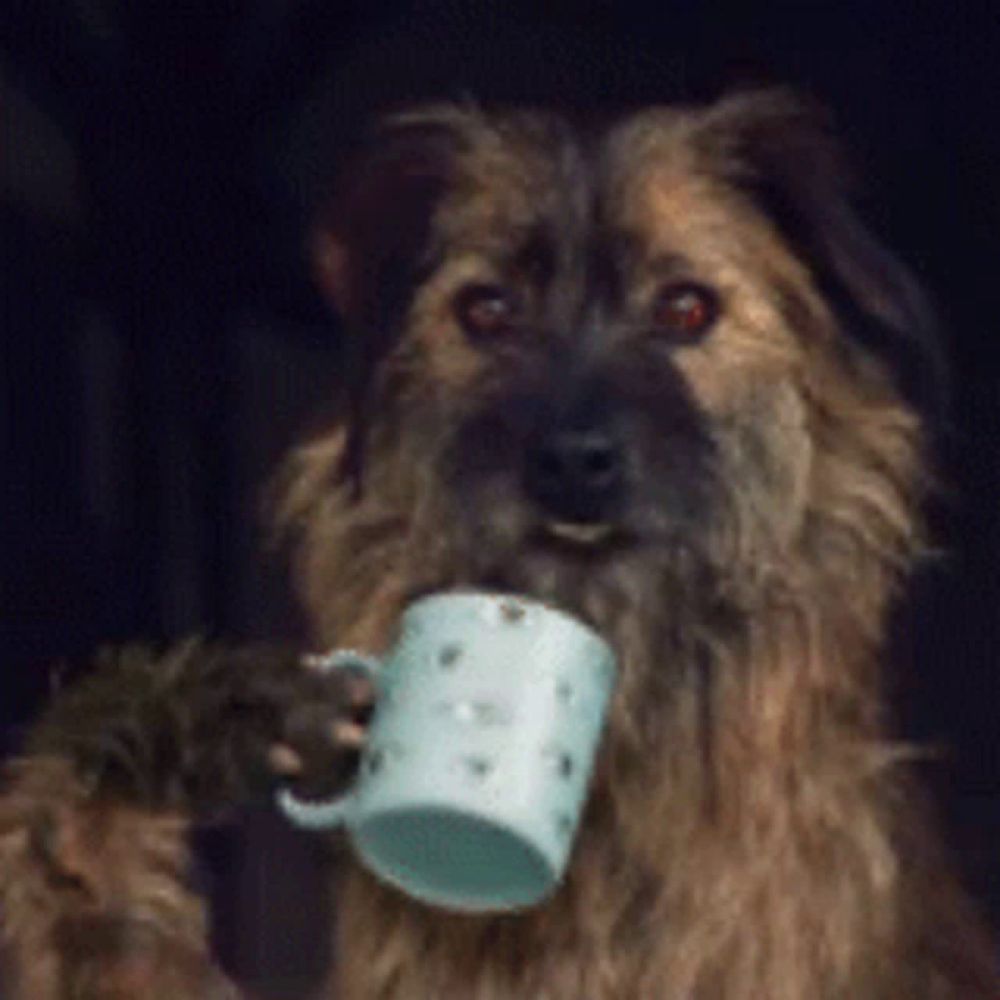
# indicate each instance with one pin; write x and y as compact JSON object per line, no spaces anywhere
{"x":454,"y":860}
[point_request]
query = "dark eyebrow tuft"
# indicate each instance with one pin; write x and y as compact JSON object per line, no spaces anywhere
{"x":535,"y":257}
{"x":669,"y":265}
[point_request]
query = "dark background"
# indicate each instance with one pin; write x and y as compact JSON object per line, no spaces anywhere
{"x":162,"y":344}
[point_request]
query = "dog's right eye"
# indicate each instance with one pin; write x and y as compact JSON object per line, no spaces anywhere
{"x":685,"y":311}
{"x":486,"y":310}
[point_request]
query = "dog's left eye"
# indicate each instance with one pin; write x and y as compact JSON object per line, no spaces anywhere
{"x":485,"y":310}
{"x":686,"y":310}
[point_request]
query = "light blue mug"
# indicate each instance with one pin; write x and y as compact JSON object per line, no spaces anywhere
{"x":488,"y":716}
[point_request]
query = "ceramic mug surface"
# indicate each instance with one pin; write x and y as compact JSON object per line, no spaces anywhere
{"x":488,"y":715}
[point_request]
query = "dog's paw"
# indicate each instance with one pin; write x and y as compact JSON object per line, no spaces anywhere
{"x":323,"y":732}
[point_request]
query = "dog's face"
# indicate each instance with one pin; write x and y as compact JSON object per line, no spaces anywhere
{"x":652,"y":364}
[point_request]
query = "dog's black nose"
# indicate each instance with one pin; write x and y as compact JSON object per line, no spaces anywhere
{"x":576,"y":475}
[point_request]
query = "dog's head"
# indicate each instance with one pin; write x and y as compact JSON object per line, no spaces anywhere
{"x":658,"y":364}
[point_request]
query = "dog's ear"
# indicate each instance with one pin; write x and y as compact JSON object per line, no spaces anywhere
{"x":370,"y":239}
{"x":779,"y":147}
{"x":371,"y":245}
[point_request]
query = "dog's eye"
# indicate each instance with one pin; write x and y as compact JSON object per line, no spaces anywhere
{"x":685,"y":310}
{"x":485,"y":310}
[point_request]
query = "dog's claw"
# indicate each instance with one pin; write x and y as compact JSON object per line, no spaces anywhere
{"x":283,"y":760}
{"x":348,"y":734}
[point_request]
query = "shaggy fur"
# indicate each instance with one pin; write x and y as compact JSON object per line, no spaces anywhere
{"x":751,"y":832}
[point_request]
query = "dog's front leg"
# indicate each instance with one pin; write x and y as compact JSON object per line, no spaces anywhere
{"x":95,"y":895}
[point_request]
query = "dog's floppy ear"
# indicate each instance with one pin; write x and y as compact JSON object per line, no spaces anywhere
{"x":371,"y":244}
{"x":780,"y":148}
{"x":371,"y":236}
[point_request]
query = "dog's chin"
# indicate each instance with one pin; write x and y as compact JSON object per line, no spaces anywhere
{"x":601,"y":572}
{"x":570,"y":566}
{"x":556,"y":562}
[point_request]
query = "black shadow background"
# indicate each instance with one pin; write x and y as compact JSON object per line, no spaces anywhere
{"x":161,"y":343}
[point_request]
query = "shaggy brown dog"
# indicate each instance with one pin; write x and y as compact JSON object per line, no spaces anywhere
{"x":657,"y":374}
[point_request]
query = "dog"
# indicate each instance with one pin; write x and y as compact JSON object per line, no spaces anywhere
{"x":655,"y":372}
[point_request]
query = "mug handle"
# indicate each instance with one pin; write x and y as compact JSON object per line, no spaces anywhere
{"x":325,"y":813}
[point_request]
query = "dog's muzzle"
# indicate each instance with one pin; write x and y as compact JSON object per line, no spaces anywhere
{"x":576,"y":477}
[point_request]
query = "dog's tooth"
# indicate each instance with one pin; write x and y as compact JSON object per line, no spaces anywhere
{"x":586,"y":534}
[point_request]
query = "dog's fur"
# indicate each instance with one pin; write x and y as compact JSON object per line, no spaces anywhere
{"x":752,"y":831}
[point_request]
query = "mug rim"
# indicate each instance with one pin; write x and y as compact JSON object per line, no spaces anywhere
{"x":490,"y":597}
{"x":445,"y":898}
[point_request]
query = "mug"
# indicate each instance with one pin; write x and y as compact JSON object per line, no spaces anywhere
{"x":487,"y":718}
